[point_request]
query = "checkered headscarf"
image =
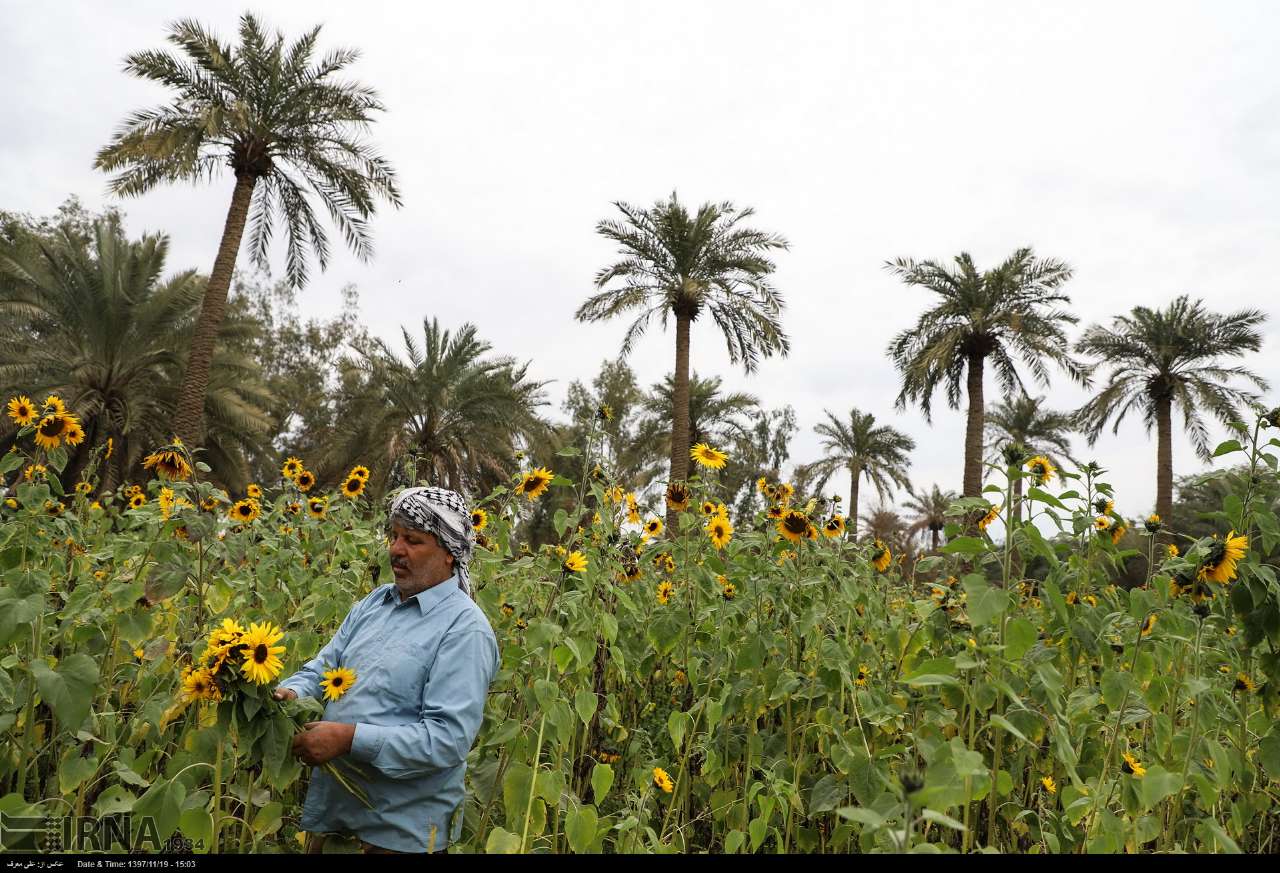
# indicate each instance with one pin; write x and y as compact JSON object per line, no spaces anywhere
{"x":443,"y":513}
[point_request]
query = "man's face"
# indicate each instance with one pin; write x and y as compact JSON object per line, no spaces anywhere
{"x":417,"y":559}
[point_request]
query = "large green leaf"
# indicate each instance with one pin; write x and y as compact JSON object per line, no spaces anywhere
{"x":68,"y":689}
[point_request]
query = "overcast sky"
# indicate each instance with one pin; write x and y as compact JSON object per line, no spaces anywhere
{"x":1138,"y":142}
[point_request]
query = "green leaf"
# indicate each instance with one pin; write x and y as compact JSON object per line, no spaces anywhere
{"x":944,"y":820}
{"x":163,"y":803}
{"x":965,"y":546}
{"x":502,"y":842}
{"x":114,"y":800}
{"x":1045,"y":497}
{"x":197,"y":826}
{"x":1008,"y":727}
{"x":580,"y":828}
{"x":601,"y":781}
{"x":74,"y":770}
{"x":676,"y":727}
{"x":1269,"y":752}
{"x":585,"y":703}
{"x":267,"y":821}
{"x":1158,"y":784}
{"x":826,"y":794}
{"x":560,"y":522}
{"x":69,"y":689}
{"x":1019,"y":636}
{"x":1227,"y":447}
{"x":984,"y":601}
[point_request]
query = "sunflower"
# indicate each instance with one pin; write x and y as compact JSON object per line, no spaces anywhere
{"x":111,"y":447}
{"x":253,"y":490}
{"x":708,"y":507}
{"x":576,"y":562}
{"x":360,"y":471}
{"x":224,"y":641}
{"x":54,"y":508}
{"x":1153,"y":523}
{"x":198,"y":684}
{"x":678,"y":496}
{"x":662,"y":781}
{"x":1245,"y":683}
{"x":169,"y":463}
{"x":84,"y":489}
{"x":993,"y":512}
{"x":864,"y":673}
{"x":1103,"y":506}
{"x":776,"y":511}
{"x":166,"y":501}
{"x":728,"y":591}
{"x":1118,"y":530}
{"x":720,"y":531}
{"x":51,"y":430}
{"x":633,"y":511}
{"x":244,"y":511}
{"x":1049,"y":785}
{"x":1220,"y":566}
{"x":785,"y":492}
{"x":352,"y":487}
{"x":630,"y":572}
{"x":53,"y":405}
{"x":291,"y":468}
{"x":533,"y":483}
{"x":317,"y":506}
{"x":138,"y":500}
{"x":708,"y":457}
{"x":1102,"y":523}
{"x":795,"y":526}
{"x":210,"y":503}
{"x":665,"y":563}
{"x":337,"y":682}
{"x":1072,"y":598}
{"x":1173,"y":550}
{"x":762,"y":485}
{"x":479,"y":519}
{"x":652,"y":527}
{"x":75,"y":433}
{"x":883,"y":556}
{"x":1132,"y":766}
{"x":22,"y":410}
{"x":834,"y":526}
{"x":507,"y":609}
{"x":1041,"y":469}
{"x":305,"y":481}
{"x":261,"y":661}
{"x":665,"y":591}
{"x":1148,"y":625}
{"x":293,"y":508}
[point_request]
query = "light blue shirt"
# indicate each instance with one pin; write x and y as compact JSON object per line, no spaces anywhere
{"x":423,"y":669}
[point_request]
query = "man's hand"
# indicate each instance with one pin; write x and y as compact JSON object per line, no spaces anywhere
{"x":323,"y":741}
{"x":285,"y":694}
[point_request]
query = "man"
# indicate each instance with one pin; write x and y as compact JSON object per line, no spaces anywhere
{"x":423,"y":655}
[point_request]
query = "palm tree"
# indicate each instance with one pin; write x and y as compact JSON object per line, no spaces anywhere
{"x":679,"y":266}
{"x":1026,"y":422}
{"x":460,"y":412}
{"x":1001,"y":314}
{"x":878,"y":454}
{"x":758,"y":445}
{"x":930,"y":510}
{"x":94,"y":322}
{"x":713,"y":415}
{"x":1162,"y":358}
{"x":287,"y":130}
{"x":886,"y":525}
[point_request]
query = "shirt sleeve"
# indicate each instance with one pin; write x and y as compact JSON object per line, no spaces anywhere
{"x":453,"y":702}
{"x":306,"y":682}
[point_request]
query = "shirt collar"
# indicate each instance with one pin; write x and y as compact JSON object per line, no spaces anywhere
{"x":427,"y":600}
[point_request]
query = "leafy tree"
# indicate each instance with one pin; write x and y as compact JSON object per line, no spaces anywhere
{"x":461,"y":412}
{"x":289,"y":131}
{"x":1004,"y":314}
{"x":679,"y":266}
{"x":864,"y":450}
{"x":631,"y":459}
{"x":1026,"y":422}
{"x":930,"y":510}
{"x":759,"y":444}
{"x":94,"y":322}
{"x":1162,"y":358}
{"x":713,"y":414}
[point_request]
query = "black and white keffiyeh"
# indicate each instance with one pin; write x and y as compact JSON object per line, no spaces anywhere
{"x":443,"y":513}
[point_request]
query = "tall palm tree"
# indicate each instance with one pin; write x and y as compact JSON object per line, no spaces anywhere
{"x":94,"y":322}
{"x":679,"y":266}
{"x":876,"y":453}
{"x":288,"y":130}
{"x":1161,"y":358}
{"x":1026,"y":421}
{"x":461,"y":412}
{"x":930,"y":510}
{"x":713,"y":414}
{"x":1002,"y":314}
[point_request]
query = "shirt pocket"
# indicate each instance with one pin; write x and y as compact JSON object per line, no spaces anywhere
{"x":401,"y":673}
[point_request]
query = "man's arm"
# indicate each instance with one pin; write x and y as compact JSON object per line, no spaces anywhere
{"x":306,"y":682}
{"x":452,"y":711}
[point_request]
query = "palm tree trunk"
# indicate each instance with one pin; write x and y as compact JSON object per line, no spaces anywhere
{"x":1164,"y":458}
{"x":933,"y":539}
{"x":188,"y":420}
{"x":680,"y":411}
{"x":973,"y":430}
{"x":854,"y":475}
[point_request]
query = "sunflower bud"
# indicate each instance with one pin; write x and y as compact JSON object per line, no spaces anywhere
{"x":1272,"y":418}
{"x":912,"y":781}
{"x":1014,"y":454}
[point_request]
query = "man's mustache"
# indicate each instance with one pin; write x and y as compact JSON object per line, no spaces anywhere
{"x":399,"y":562}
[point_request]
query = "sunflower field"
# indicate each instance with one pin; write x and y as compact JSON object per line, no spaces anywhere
{"x":671,"y":680}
